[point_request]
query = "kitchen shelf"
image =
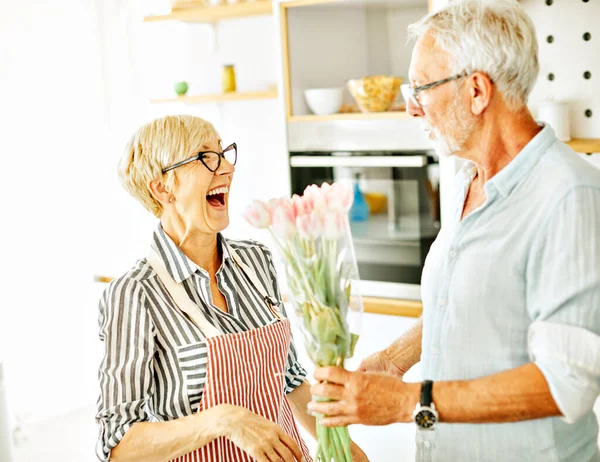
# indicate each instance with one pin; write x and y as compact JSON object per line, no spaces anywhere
{"x":373,"y":305}
{"x":394,"y":307}
{"x":211,"y":14}
{"x":220,"y":97}
{"x":350,"y":116}
{"x":585,"y":145}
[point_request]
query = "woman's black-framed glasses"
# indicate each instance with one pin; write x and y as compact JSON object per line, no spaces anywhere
{"x":210,"y":159}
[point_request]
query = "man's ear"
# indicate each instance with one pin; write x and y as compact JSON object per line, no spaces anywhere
{"x":160,"y":192}
{"x":481,"y":90}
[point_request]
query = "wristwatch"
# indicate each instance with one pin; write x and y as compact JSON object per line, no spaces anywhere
{"x":425,"y":414}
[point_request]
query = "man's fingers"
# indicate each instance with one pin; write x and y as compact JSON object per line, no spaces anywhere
{"x":332,"y":375}
{"x":341,"y":421}
{"x":327,"y":390}
{"x":336,"y":408}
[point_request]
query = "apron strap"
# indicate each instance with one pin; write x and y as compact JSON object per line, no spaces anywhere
{"x":271,"y":301}
{"x":181,"y":298}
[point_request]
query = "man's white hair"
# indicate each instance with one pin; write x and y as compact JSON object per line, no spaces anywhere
{"x":495,"y":37}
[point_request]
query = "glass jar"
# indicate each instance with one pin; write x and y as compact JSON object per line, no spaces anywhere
{"x":228,"y":78}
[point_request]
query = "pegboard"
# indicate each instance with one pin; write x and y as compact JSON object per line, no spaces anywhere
{"x":568,"y":33}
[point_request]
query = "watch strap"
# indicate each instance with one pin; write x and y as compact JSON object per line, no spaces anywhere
{"x":426,"y":392}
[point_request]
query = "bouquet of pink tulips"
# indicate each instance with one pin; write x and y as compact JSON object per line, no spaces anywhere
{"x":313,"y":236}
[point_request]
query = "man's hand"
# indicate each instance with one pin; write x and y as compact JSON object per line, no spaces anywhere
{"x":369,"y":399}
{"x":357,"y":454}
{"x":381,"y":363}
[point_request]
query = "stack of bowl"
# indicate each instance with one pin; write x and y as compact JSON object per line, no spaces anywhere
{"x":375,"y":93}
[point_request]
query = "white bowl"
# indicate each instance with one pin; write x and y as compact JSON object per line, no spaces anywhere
{"x":323,"y":101}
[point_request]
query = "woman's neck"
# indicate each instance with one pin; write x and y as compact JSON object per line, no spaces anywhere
{"x":201,"y":248}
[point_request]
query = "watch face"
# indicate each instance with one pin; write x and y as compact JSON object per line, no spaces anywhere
{"x":425,"y":418}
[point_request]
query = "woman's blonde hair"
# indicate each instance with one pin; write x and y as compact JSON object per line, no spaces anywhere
{"x":157,"y":145}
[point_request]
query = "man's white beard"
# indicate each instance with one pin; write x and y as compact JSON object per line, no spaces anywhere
{"x":441,"y":146}
{"x":461,"y":123}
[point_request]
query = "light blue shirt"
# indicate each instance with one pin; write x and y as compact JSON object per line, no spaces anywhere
{"x":518,"y":281}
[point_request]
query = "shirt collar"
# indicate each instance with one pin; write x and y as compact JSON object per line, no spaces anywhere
{"x":179,"y":266}
{"x":520,"y":167}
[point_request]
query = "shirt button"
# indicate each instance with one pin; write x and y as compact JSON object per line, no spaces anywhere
{"x":427,"y":444}
{"x":452,"y":253}
{"x":442,"y":303}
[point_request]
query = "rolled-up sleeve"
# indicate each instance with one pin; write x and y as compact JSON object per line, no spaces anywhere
{"x":563,"y":296}
{"x":126,"y":370}
{"x":295,"y":374}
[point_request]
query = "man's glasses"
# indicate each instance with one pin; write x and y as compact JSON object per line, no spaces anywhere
{"x":210,"y":159}
{"x":413,"y":93}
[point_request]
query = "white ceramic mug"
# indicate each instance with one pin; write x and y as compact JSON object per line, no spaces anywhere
{"x":556,"y":114}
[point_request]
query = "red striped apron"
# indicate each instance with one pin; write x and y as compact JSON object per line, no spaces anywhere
{"x":245,"y":369}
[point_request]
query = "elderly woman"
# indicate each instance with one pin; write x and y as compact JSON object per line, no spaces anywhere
{"x":198,"y":360}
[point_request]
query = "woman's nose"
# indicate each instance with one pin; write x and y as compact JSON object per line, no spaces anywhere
{"x":225,"y":168}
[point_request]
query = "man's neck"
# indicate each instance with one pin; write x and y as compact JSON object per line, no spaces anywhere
{"x":501,"y":137}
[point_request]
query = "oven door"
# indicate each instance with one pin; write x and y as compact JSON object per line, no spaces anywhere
{"x":403,"y":219}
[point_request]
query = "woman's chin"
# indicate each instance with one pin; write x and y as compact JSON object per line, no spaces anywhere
{"x":218,"y":224}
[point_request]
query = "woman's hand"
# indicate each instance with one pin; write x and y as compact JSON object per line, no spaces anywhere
{"x":262,"y":439}
{"x":357,"y":454}
{"x":381,"y":363}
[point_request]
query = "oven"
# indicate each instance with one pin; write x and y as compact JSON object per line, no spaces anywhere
{"x":400,"y":217}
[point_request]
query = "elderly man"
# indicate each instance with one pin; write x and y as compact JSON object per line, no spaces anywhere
{"x":509,"y":339}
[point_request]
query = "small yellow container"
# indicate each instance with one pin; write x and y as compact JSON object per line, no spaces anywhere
{"x":377,"y":202}
{"x":228,"y":78}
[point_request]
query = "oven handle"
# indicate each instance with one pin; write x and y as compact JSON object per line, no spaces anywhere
{"x":358,"y":161}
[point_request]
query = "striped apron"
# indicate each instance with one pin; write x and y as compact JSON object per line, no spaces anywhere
{"x":245,"y":369}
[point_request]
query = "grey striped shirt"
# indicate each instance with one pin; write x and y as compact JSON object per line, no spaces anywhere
{"x":154,"y":364}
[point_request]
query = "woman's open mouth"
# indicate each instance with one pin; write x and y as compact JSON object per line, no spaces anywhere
{"x":216,"y":197}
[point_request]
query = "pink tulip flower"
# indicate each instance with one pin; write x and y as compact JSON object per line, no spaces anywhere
{"x":301,"y":205}
{"x":284,"y":222}
{"x":258,"y":214}
{"x":335,"y":225}
{"x":345,"y":194}
{"x":317,"y":223}
{"x":314,"y":196}
{"x":304,"y":226}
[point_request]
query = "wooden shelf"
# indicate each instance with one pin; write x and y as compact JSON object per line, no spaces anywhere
{"x":211,"y":14}
{"x":585,"y":145}
{"x":373,"y":305}
{"x":393,"y":307}
{"x":217,"y":98}
{"x":350,"y":116}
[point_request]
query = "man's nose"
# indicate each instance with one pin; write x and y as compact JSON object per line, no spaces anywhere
{"x":413,"y":109}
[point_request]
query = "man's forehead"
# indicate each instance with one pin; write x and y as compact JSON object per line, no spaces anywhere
{"x":428,"y":59}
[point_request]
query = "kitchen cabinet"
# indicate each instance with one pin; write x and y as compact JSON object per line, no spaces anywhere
{"x":325,"y":43}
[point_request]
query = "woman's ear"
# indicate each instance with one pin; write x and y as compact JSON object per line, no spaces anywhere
{"x":160,"y":192}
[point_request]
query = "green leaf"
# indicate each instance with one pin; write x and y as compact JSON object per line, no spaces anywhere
{"x":353,"y":340}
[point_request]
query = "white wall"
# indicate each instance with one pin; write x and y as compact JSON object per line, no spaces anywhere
{"x":327,"y":47}
{"x":75,"y":84}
